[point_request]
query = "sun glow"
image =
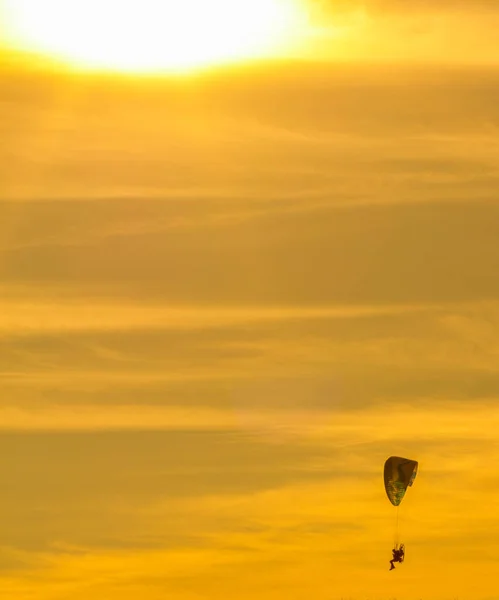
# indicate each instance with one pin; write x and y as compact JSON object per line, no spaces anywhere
{"x":150,"y":35}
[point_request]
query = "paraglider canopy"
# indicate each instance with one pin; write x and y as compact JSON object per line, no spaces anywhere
{"x":399,"y":474}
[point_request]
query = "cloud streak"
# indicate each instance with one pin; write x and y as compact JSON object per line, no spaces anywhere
{"x":224,"y":302}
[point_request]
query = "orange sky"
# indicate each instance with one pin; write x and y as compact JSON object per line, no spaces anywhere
{"x":227,"y":297}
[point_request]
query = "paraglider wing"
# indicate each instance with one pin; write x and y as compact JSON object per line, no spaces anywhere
{"x":399,"y":474}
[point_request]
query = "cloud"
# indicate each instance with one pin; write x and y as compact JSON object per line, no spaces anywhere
{"x":422,"y":32}
{"x":271,"y":371}
{"x":383,"y":6}
{"x":288,"y":258}
{"x":217,"y":324}
{"x":63,"y":143}
{"x":114,"y":507}
{"x":94,"y":489}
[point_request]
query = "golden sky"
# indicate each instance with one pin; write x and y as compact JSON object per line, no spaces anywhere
{"x":228,"y":295}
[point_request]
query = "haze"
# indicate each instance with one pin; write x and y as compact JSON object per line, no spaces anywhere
{"x":227,"y":295}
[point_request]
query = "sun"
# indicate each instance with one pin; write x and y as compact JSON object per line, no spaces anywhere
{"x":149,"y":35}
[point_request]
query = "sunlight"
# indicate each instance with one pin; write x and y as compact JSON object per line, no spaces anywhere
{"x":150,"y":35}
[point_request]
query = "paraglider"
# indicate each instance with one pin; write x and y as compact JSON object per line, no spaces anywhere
{"x":398,"y":555}
{"x":399,"y":474}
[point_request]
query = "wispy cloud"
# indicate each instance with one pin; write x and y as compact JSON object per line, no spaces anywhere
{"x":225,"y":301}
